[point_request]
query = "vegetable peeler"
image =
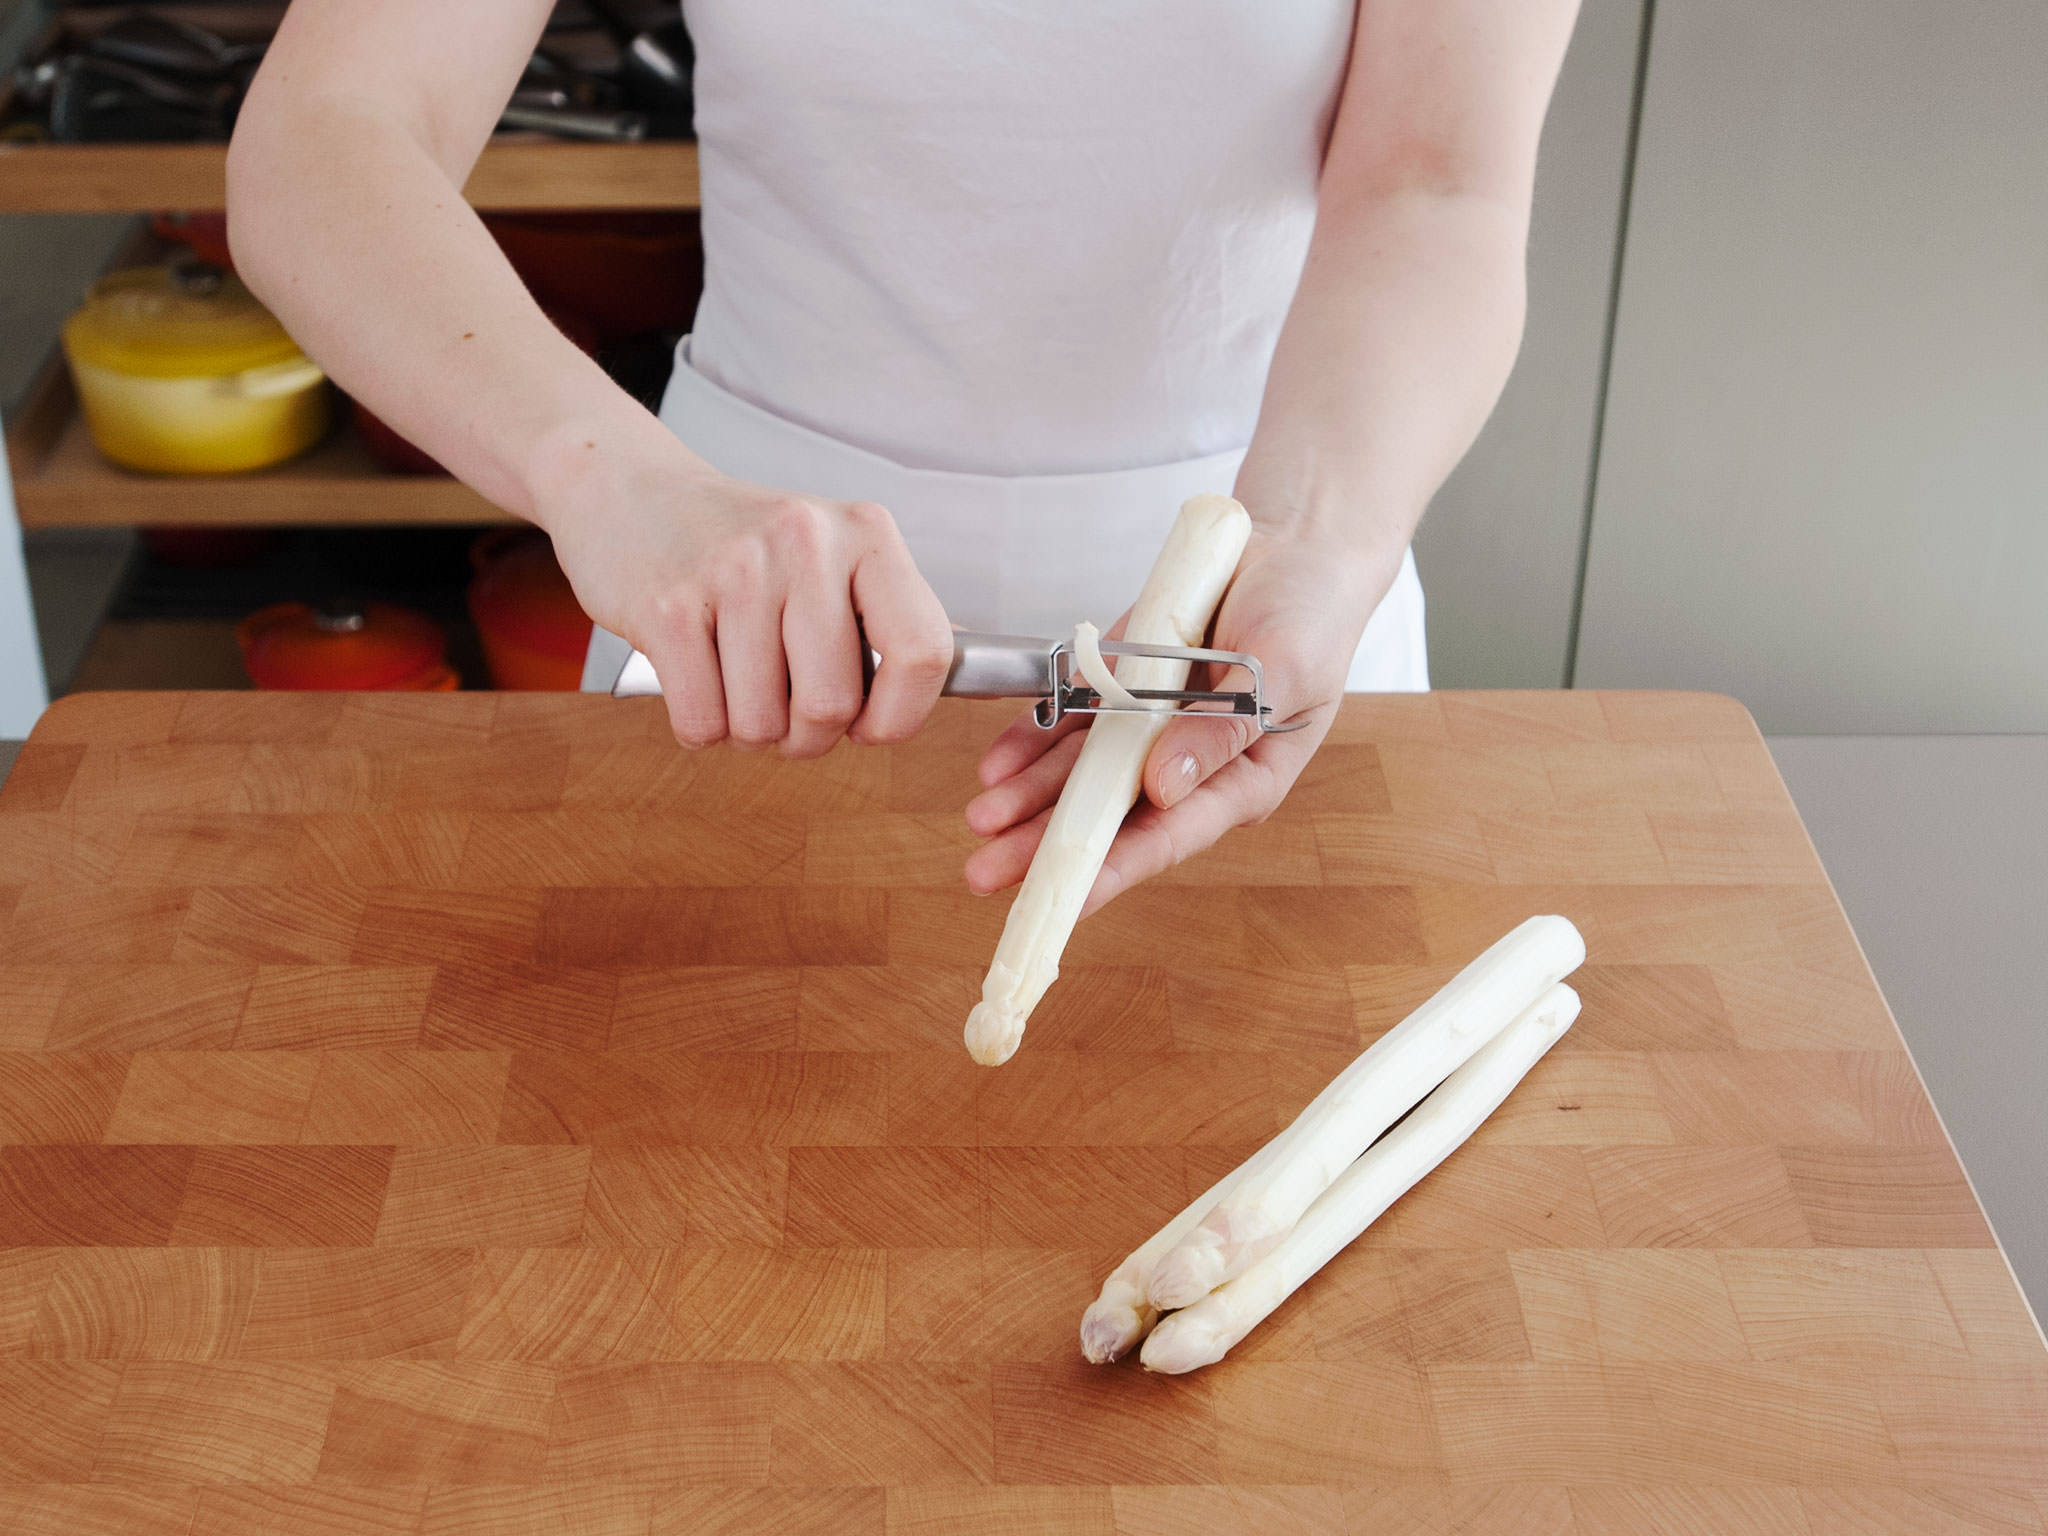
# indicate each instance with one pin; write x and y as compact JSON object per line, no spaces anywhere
{"x":1022,"y":667}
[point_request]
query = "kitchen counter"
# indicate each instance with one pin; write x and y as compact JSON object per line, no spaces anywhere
{"x":469,"y":1112}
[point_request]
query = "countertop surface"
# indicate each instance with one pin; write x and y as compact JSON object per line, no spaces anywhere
{"x":469,"y":1113}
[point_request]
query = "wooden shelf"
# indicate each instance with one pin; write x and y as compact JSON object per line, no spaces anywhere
{"x":515,"y":171}
{"x":60,"y":481}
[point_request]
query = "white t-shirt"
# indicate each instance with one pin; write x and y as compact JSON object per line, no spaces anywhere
{"x":1009,"y":237}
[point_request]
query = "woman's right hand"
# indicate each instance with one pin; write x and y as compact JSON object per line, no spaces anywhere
{"x":746,"y":599}
{"x":343,"y":187}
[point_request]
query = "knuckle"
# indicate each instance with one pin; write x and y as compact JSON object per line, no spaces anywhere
{"x":887,"y":733}
{"x":697,"y":727}
{"x":870,"y":517}
{"x":743,"y":566}
{"x":826,"y":706}
{"x":800,"y":527}
{"x":928,"y":657}
{"x":675,"y":609}
{"x":807,"y":746}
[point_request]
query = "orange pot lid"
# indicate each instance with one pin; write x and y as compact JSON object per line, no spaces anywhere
{"x":340,"y":645}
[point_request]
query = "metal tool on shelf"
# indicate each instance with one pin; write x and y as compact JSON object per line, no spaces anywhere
{"x":1025,"y":667}
{"x":657,"y":64}
{"x":572,"y":123}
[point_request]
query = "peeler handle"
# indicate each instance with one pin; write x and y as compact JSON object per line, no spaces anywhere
{"x":1011,"y":667}
{"x":1000,"y":667}
{"x":984,"y":667}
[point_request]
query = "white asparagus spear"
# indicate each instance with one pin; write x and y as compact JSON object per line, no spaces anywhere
{"x":1178,"y":600}
{"x":1120,"y":1315}
{"x":1205,"y":1332}
{"x":1361,"y":1102}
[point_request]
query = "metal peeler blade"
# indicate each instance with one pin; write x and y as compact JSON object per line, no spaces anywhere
{"x":1026,"y":667}
{"x":1070,"y":696}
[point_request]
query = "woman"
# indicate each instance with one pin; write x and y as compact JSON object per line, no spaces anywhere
{"x":990,"y":288}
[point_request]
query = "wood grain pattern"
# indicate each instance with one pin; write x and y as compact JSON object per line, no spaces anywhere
{"x":515,"y":171}
{"x":463,"y":1115}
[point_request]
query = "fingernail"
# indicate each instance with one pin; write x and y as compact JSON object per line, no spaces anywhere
{"x":1179,"y":780}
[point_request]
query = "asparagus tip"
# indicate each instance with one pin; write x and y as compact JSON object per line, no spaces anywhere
{"x":1187,"y":1274}
{"x":993,"y":1034}
{"x":1183,"y":1343}
{"x":1108,"y":1330}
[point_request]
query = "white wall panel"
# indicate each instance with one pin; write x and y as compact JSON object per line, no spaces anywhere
{"x":1824,"y":479}
{"x":1499,"y":550}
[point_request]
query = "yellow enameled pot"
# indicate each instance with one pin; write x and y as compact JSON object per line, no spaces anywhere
{"x":180,"y":371}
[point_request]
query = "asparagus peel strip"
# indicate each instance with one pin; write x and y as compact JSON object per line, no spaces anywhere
{"x":1258,"y":1212}
{"x":1178,"y":600}
{"x":1203,"y":1333}
{"x":1094,"y":669}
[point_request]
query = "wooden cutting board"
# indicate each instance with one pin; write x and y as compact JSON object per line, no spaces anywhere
{"x":469,"y":1113}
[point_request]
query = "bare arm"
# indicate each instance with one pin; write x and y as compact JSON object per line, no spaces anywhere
{"x":1409,"y":312}
{"x":344,"y":195}
{"x":344,"y":189}
{"x":1402,"y":332}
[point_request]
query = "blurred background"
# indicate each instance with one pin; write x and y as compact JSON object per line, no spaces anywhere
{"x":1779,"y":429}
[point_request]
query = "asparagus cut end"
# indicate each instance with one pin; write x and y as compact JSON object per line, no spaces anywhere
{"x":994,"y":1033}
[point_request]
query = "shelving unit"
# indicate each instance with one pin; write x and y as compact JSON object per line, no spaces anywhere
{"x":59,"y":479}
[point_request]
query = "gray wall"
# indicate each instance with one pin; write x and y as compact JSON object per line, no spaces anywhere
{"x":1499,"y":550}
{"x":47,"y":259}
{"x":1938,"y":847}
{"x":1823,"y":484}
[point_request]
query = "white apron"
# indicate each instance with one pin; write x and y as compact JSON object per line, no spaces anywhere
{"x":1013,"y":271}
{"x":1008,"y":554}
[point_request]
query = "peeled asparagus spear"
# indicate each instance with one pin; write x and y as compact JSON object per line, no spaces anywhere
{"x":1178,"y":600}
{"x":1250,"y":1220}
{"x":1203,"y":1333}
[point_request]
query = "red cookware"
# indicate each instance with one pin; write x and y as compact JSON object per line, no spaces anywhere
{"x":342,"y":645}
{"x":624,"y":272}
{"x":208,"y":547}
{"x":534,"y":634}
{"x":205,"y":232}
{"x":395,"y":453}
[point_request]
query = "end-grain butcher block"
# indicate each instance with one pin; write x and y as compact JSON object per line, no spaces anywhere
{"x":471,"y":1114}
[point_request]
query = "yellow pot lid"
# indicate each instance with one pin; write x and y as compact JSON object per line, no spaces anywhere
{"x":189,"y":321}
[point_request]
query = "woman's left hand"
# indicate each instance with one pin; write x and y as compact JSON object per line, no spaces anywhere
{"x":1299,"y":603}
